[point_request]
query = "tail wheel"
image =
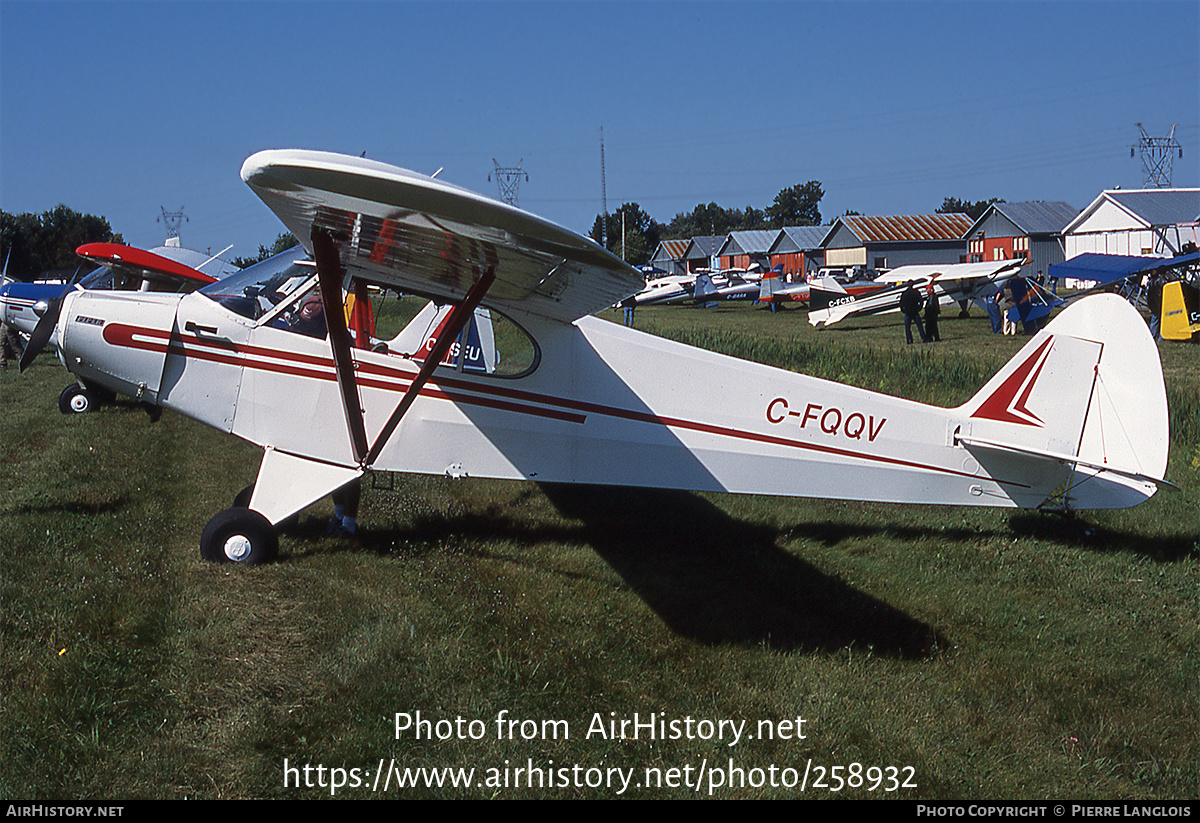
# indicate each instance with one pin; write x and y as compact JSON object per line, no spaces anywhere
{"x":239,"y":535}
{"x":75,"y":400}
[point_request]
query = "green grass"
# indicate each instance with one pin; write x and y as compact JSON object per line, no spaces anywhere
{"x":999,"y":654}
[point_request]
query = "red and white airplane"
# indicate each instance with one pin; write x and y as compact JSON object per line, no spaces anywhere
{"x":125,"y":268}
{"x":1078,"y":418}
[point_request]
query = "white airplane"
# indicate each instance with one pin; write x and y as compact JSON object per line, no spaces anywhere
{"x":1078,"y":418}
{"x":667,"y":289}
{"x":170,"y":268}
{"x":711,"y":289}
{"x":953,"y":283}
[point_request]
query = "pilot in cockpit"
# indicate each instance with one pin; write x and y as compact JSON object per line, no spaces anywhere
{"x":308,"y":319}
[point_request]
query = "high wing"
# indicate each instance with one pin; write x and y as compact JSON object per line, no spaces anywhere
{"x":127,"y":261}
{"x":1109,"y":268}
{"x":955,"y":282}
{"x":420,"y":235}
{"x":949,"y":271}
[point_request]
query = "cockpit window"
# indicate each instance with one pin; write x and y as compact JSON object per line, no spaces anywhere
{"x":256,"y":290}
{"x":98,"y":279}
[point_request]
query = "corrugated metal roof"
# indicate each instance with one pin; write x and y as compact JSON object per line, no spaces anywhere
{"x":1038,"y":216}
{"x":704,"y":246}
{"x":748,"y":242}
{"x":801,"y":237}
{"x":674,"y":248}
{"x":1161,"y":207}
{"x":908,"y":228}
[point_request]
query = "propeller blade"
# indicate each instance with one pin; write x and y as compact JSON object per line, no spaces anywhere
{"x":42,"y":332}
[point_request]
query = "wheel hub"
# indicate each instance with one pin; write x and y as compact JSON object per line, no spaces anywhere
{"x":237,"y":548}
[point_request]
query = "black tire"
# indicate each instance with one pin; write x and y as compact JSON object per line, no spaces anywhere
{"x":241,"y":536}
{"x":241,"y":500}
{"x":75,"y":400}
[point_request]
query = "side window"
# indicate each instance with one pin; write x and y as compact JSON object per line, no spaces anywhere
{"x":490,"y":344}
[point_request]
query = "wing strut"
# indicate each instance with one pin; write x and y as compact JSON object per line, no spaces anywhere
{"x":459,"y":316}
{"x":329,"y":280}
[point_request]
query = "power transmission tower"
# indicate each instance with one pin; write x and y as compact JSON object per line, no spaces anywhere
{"x":1157,"y":154}
{"x":172,"y":220}
{"x":508,"y":179}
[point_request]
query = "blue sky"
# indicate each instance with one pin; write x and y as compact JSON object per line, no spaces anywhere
{"x":120,"y":109}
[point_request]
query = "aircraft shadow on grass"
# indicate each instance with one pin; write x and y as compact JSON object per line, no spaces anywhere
{"x":716,"y":579}
{"x":707,"y":575}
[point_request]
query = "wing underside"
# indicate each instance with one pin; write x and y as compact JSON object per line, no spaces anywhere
{"x":422,"y":236}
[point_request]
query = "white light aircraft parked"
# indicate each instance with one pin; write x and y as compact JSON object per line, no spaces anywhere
{"x":953,"y":283}
{"x":1077,"y":418}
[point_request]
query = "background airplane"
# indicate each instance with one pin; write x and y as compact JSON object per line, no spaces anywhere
{"x":168,"y":268}
{"x":574,"y":398}
{"x":953,"y":283}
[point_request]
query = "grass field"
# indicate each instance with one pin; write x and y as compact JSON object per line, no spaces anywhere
{"x":931,"y":652}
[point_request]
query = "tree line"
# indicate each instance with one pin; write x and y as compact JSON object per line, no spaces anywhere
{"x":46,"y":242}
{"x":37,"y":243}
{"x":634,"y":235}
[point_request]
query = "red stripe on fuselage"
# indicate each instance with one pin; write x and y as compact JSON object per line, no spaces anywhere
{"x":374,"y":375}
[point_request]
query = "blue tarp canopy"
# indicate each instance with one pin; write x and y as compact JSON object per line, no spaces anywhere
{"x":1105,"y":268}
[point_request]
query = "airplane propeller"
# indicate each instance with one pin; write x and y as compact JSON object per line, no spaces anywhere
{"x":42,"y":331}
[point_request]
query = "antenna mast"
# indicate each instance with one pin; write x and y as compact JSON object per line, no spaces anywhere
{"x":1157,"y":153}
{"x":508,"y":179}
{"x":603,"y":196}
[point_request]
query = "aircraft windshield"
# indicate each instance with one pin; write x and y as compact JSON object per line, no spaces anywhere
{"x":254,"y":291}
{"x":98,"y":279}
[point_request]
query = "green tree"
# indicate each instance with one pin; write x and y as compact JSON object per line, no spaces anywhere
{"x":282,"y":243}
{"x":797,"y":205}
{"x":704,"y":220}
{"x":974,"y":210}
{"x":641,"y":233}
{"x":35,"y":243}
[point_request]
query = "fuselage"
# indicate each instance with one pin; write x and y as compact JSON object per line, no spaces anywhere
{"x":601,"y":404}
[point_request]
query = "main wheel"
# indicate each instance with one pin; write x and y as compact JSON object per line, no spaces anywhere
{"x":241,"y":500}
{"x":239,"y":535}
{"x":75,"y":400}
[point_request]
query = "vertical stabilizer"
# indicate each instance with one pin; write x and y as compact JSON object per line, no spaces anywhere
{"x":1088,"y":392}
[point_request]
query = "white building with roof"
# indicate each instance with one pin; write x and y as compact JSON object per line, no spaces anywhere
{"x":1135,"y":222}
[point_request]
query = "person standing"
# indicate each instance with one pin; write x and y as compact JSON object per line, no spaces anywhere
{"x":10,"y":345}
{"x":1154,"y":295}
{"x":910,"y":304}
{"x":993,"y":311}
{"x":932,"y":310}
{"x":1005,"y":301}
{"x":629,"y":304}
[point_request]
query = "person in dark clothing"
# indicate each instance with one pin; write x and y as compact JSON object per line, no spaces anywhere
{"x":932,"y":310}
{"x":1154,"y":293}
{"x":345,"y":510}
{"x":910,"y":304}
